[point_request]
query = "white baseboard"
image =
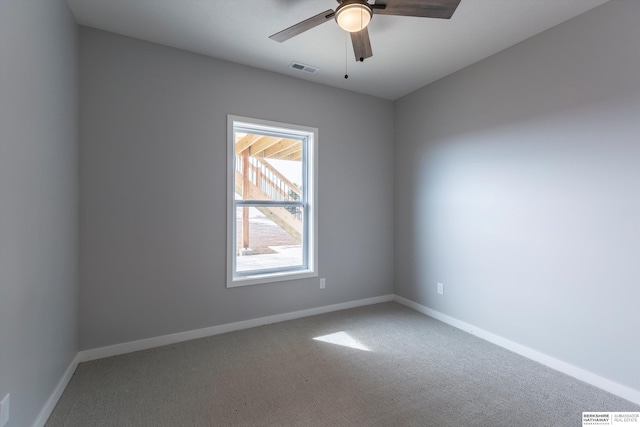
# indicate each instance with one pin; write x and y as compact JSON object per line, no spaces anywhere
{"x":128,"y":347}
{"x":47,"y":409}
{"x":553,"y":363}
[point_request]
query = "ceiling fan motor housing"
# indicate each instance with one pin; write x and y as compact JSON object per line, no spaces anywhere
{"x":353,"y":15}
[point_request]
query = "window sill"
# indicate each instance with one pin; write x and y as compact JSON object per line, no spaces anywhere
{"x":270,"y":278}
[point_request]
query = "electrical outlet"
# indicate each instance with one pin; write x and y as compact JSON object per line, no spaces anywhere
{"x":323,"y":283}
{"x":441,"y":288}
{"x":4,"y":411}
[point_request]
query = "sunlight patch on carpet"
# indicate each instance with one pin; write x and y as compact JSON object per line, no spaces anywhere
{"x":344,"y":339}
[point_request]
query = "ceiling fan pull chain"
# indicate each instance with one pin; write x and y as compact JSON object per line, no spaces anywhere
{"x":346,"y":54}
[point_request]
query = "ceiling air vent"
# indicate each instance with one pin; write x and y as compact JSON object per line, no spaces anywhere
{"x":304,"y":68}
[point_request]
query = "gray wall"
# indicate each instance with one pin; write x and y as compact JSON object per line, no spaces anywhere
{"x":518,"y":187}
{"x":153,"y":190}
{"x":38,"y":201}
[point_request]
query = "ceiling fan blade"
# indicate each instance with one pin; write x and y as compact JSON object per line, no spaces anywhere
{"x":442,"y":9}
{"x":303,"y":26}
{"x":361,"y":45}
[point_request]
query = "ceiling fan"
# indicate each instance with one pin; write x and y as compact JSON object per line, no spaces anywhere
{"x":354,"y":16}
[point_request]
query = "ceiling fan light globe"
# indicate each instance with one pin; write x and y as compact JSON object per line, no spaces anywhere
{"x":353,"y":17}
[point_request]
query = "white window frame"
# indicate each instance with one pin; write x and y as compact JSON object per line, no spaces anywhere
{"x":309,"y":137}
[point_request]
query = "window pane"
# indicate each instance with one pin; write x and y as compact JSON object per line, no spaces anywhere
{"x":268,"y":238}
{"x":268,"y":167}
{"x":272,"y":189}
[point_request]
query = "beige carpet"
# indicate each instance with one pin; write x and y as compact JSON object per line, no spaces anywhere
{"x":400,"y":368}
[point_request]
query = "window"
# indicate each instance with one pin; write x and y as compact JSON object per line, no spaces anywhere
{"x":271,"y":201}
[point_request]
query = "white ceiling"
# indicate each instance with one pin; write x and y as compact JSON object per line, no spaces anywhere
{"x":408,"y":52}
